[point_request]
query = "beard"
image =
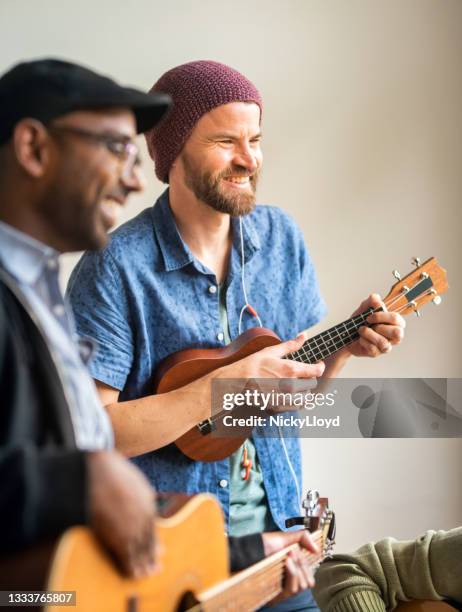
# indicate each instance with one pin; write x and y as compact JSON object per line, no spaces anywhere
{"x":207,"y":187}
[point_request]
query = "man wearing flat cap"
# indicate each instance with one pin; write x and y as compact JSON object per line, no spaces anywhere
{"x":67,"y":154}
{"x":196,"y":270}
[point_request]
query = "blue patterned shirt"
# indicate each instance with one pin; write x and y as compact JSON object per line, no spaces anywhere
{"x":146,"y":296}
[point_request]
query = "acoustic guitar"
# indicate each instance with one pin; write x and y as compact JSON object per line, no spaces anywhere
{"x":194,"y":570}
{"x":410,"y":293}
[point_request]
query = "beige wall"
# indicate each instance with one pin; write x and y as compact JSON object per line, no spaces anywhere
{"x":363,"y":145}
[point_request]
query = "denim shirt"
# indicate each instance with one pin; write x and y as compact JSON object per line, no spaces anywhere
{"x":146,"y":296}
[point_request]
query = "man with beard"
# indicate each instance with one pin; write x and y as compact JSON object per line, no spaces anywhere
{"x":174,"y":277}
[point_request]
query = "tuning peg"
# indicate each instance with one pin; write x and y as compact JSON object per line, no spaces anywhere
{"x":415,"y":261}
{"x":311,"y":500}
{"x":396,"y":274}
{"x":437,"y":300}
{"x":417,"y":313}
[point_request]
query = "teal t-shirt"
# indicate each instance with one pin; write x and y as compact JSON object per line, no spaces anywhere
{"x":248,"y":507}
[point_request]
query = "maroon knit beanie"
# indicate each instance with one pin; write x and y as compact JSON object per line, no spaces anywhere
{"x":195,"y":88}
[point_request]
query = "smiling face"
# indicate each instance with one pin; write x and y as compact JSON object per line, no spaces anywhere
{"x":87,"y":182}
{"x":222,"y":158}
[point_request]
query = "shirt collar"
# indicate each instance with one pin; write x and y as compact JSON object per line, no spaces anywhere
{"x":176,"y":252}
{"x":24,"y":257}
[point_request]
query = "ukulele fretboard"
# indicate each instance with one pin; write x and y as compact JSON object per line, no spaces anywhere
{"x":330,"y":341}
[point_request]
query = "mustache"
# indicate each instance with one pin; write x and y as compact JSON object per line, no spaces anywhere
{"x":236,"y":171}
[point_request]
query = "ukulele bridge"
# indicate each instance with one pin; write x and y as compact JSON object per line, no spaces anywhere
{"x":206,"y":427}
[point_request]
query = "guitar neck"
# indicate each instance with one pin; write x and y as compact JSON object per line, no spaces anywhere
{"x":257,"y":585}
{"x":330,"y":341}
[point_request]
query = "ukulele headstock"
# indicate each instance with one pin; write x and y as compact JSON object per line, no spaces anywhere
{"x":422,"y":285}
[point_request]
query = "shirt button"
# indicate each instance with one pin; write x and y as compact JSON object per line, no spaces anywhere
{"x":59,"y":310}
{"x":212,"y":289}
{"x":220,"y":336}
{"x":52,"y":264}
{"x":223,"y":483}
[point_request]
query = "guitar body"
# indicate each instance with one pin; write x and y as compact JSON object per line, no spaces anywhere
{"x":188,"y":365}
{"x":193,"y":556}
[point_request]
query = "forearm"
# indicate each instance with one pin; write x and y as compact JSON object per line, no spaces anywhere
{"x":148,"y":423}
{"x":379,"y":575}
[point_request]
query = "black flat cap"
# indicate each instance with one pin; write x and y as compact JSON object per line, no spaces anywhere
{"x":48,"y":88}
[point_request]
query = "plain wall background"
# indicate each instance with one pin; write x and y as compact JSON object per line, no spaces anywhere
{"x":363,"y":146}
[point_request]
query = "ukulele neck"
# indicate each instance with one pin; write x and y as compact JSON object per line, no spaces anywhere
{"x":330,"y":341}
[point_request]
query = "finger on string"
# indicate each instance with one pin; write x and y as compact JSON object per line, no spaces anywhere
{"x":388,"y":318}
{"x":371,"y":336}
{"x":392,"y":333}
{"x":291,"y":576}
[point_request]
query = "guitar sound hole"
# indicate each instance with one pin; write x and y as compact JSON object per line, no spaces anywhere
{"x":132,"y":604}
{"x":187,"y":602}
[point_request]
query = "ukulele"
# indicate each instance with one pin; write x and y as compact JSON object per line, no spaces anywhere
{"x":407,"y":295}
{"x":194,"y":567}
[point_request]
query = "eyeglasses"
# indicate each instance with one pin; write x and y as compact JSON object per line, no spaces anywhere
{"x":124,"y":149}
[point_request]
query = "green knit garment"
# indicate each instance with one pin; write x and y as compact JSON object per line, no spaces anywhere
{"x":377,"y":577}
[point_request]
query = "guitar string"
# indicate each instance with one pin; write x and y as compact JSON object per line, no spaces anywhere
{"x":262,"y":580}
{"x":268,"y":573}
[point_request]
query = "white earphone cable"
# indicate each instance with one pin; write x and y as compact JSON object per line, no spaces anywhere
{"x":244,"y":289}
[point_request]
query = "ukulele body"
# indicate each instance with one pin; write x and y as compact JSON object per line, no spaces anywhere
{"x":183,"y":367}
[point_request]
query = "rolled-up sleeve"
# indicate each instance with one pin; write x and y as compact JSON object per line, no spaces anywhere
{"x":97,"y":294}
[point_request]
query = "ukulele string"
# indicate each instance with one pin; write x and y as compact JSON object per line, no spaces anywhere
{"x":389,"y":305}
{"x":407,"y":304}
{"x":219,"y":415}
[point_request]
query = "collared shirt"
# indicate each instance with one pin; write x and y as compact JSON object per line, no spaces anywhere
{"x":146,"y":296}
{"x":35,"y":267}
